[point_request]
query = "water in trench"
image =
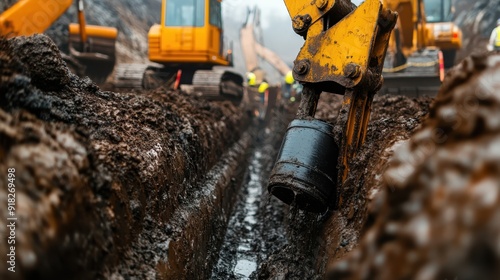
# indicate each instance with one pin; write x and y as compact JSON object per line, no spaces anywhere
{"x":238,"y":256}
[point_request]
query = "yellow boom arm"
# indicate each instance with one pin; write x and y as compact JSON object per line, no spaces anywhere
{"x":28,"y":17}
{"x":343,"y":53}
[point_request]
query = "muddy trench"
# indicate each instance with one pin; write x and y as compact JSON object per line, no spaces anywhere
{"x":163,"y":185}
{"x":147,"y":183}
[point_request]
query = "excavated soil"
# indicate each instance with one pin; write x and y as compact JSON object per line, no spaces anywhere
{"x":438,"y":216}
{"x":293,"y":244}
{"x":120,"y":185}
{"x":95,"y":169}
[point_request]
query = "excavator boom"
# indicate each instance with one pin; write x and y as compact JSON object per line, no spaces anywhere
{"x":273,"y":59}
{"x":27,"y":17}
{"x":343,"y":53}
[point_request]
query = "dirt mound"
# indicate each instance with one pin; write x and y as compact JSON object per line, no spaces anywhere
{"x":91,"y":165}
{"x":439,"y":215}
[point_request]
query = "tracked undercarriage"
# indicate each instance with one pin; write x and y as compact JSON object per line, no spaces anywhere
{"x":219,"y":83}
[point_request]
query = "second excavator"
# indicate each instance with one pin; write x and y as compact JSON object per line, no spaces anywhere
{"x":423,"y":44}
{"x":188,"y":49}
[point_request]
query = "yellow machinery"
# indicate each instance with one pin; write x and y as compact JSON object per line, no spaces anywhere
{"x":343,"y":53}
{"x":413,"y":66}
{"x":188,"y":44}
{"x":443,"y":33}
{"x":91,"y":46}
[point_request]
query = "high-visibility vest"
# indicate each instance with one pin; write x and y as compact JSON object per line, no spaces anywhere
{"x":497,"y":39}
{"x":263,"y":87}
{"x":251,"y":77}
{"x":289,"y":78}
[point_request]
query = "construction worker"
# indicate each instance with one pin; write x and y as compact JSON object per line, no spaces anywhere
{"x":263,"y":91}
{"x":287,"y":89}
{"x":251,"y":79}
{"x":494,"y":43}
{"x":263,"y":94}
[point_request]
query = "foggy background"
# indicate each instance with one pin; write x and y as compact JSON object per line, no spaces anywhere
{"x":276,"y":32}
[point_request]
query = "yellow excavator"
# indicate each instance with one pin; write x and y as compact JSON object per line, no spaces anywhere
{"x":413,"y":66}
{"x":415,"y":61}
{"x":443,"y":33}
{"x":93,"y":47}
{"x":188,"y":49}
{"x":347,"y":51}
{"x":343,"y":53}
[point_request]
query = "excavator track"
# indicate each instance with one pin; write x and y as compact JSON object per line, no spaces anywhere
{"x":129,"y":76}
{"x":221,"y":83}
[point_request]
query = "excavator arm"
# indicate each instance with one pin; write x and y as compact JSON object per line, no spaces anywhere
{"x":343,"y":53}
{"x":27,"y":17}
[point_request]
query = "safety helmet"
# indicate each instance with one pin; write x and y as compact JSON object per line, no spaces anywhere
{"x":289,"y":78}
{"x":251,"y":79}
{"x":263,"y":87}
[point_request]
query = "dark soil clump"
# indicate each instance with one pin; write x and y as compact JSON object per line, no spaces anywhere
{"x":128,"y":156}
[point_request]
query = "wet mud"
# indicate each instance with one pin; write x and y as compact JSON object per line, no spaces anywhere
{"x":438,"y":214}
{"x":251,"y":232}
{"x":300,"y":245}
{"x":98,"y":169}
{"x":162,"y":185}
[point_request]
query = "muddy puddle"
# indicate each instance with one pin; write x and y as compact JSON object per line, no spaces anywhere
{"x":238,"y":257}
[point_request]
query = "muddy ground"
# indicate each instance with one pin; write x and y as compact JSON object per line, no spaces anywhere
{"x":299,"y":245}
{"x":95,"y":168}
{"x":135,"y":171}
{"x":142,"y":184}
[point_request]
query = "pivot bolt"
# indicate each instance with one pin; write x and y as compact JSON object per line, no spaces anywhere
{"x":321,"y":4}
{"x":301,"y":22}
{"x":352,"y":70}
{"x":302,"y":67}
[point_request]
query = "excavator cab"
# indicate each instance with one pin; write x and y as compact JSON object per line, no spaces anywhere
{"x":190,"y":32}
{"x":443,"y":33}
{"x":187,"y":44}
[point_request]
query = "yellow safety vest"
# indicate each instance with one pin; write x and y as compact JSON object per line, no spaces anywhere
{"x":263,"y":87}
{"x":497,"y":39}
